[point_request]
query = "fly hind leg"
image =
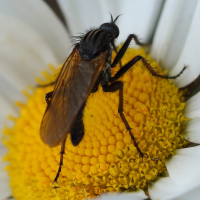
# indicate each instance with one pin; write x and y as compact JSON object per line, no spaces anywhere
{"x":118,"y":85}
{"x":62,"y":152}
{"x":77,"y":133}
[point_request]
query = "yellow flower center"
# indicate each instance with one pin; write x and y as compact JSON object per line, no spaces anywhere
{"x":106,"y":159}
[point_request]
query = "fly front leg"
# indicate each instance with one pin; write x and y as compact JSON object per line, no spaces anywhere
{"x":125,"y":46}
{"x":115,"y":49}
{"x":112,"y":88}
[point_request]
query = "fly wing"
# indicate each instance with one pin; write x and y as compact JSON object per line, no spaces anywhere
{"x":74,"y":84}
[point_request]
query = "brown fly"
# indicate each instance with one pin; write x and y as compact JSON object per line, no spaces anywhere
{"x":88,"y":66}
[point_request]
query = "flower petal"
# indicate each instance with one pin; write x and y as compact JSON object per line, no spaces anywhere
{"x":5,"y":190}
{"x":189,"y":55}
{"x":192,"y":131}
{"x":172,"y":31}
{"x":192,"y":109}
{"x":193,"y":151}
{"x":6,"y":108}
{"x":4,"y":180}
{"x":37,"y":15}
{"x":138,"y":17}
{"x":139,"y":195}
{"x":22,"y":54}
{"x":184,"y":168}
{"x":82,"y":15}
{"x":184,"y":177}
{"x":165,"y":189}
{"x":193,"y":194}
{"x":141,"y":19}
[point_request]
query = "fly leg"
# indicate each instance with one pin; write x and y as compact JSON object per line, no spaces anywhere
{"x":115,"y":49}
{"x":132,"y":62}
{"x":126,"y":67}
{"x":61,"y":161}
{"x":123,"y":49}
{"x":48,"y":96}
{"x":118,"y":85}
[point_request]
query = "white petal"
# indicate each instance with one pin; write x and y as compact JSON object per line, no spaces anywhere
{"x":165,"y":189}
{"x":184,"y":175}
{"x":184,"y":169}
{"x":4,"y":180}
{"x":189,"y":151}
{"x":23,"y":54}
{"x":138,"y":17}
{"x":139,"y":195}
{"x":172,"y":31}
{"x":4,"y":188}
{"x":6,"y":108}
{"x":82,"y":15}
{"x":192,"y":109}
{"x":189,"y":54}
{"x":193,"y":194}
{"x":40,"y":17}
{"x":192,"y":131}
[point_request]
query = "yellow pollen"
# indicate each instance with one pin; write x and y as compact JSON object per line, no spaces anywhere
{"x":106,"y":159}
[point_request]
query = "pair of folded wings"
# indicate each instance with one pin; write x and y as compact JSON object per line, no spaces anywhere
{"x":74,"y":84}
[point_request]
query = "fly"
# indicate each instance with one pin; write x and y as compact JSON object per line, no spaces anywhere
{"x":88,"y":66}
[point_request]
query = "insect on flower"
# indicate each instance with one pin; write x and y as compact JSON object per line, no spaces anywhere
{"x":88,"y":66}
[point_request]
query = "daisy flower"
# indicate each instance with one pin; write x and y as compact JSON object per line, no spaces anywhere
{"x":164,"y":118}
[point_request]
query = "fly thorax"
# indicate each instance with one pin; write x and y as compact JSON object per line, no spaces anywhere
{"x":93,"y":43}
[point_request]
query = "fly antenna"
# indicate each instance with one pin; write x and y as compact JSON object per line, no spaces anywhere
{"x":111,"y":18}
{"x":116,"y":18}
